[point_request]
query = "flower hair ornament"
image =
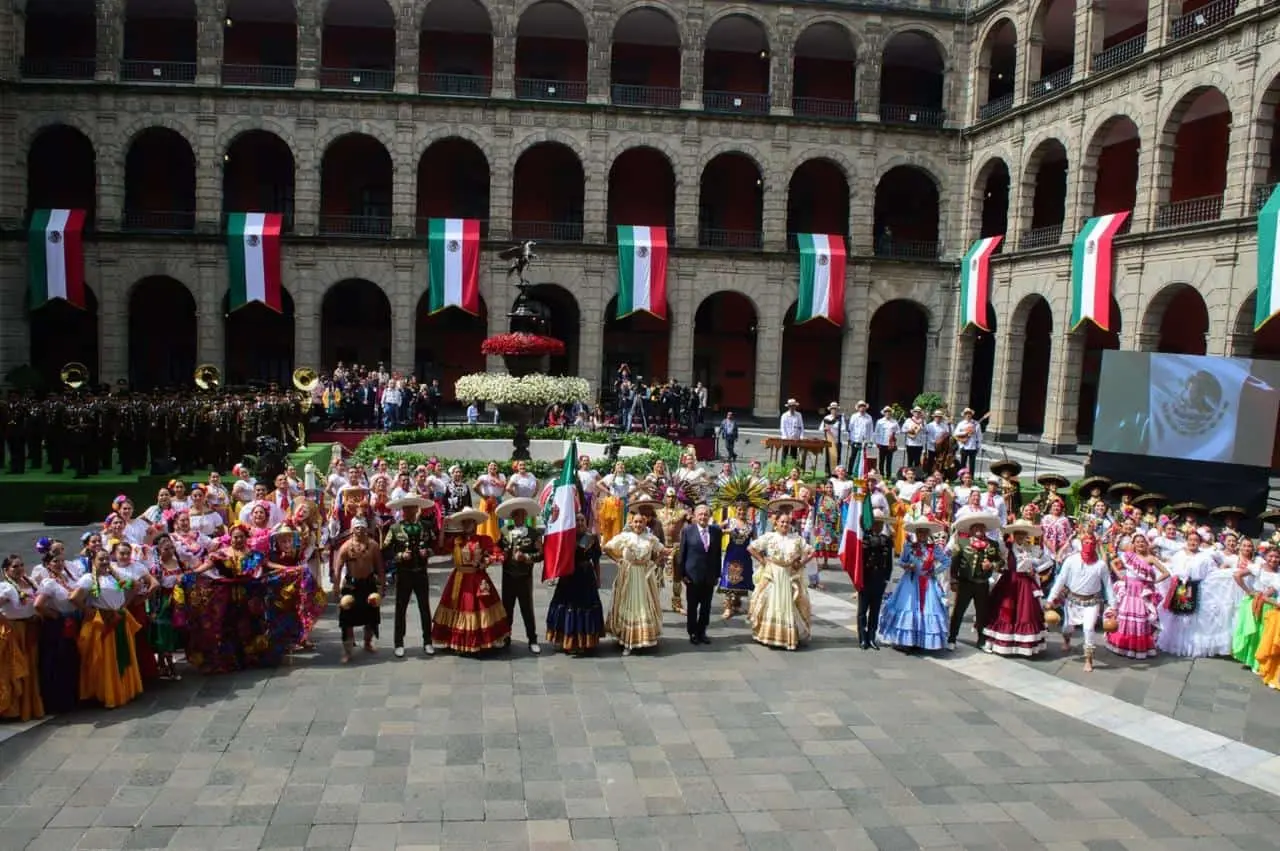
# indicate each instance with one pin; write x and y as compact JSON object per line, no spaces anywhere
{"x":118,"y":502}
{"x":110,"y":518}
{"x":43,"y":546}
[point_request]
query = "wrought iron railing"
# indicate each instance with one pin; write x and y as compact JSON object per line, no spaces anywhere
{"x":907,"y":249}
{"x":547,"y":231}
{"x":995,"y":107}
{"x":455,"y":85}
{"x":1192,"y":211}
{"x":421,"y":224}
{"x":357,"y":79}
{"x":926,"y":116}
{"x":1040,"y":237}
{"x":660,"y":96}
{"x":158,"y":221}
{"x":825,"y":108}
{"x":259,"y":76}
{"x":1051,"y":83}
{"x":1261,"y":194}
{"x":286,"y":223}
{"x":355,"y":226}
{"x":725,"y":238}
{"x":152,"y":71}
{"x":38,"y":68}
{"x":1209,"y":15}
{"x":745,"y":103}
{"x":1119,"y":54}
{"x":574,"y":91}
{"x":793,"y":240}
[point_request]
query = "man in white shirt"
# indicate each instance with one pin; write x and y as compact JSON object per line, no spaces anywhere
{"x":791,"y":427}
{"x":1082,"y":587}
{"x":833,"y":426}
{"x":992,"y":501}
{"x":913,"y":435}
{"x":969,"y":436}
{"x":876,"y":492}
{"x":861,"y":430}
{"x":934,"y":431}
{"x":886,"y":437}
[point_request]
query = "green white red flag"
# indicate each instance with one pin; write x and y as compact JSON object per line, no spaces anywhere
{"x":858,"y":519}
{"x":453,"y":268}
{"x":560,"y":520}
{"x":975,"y":283}
{"x":822,"y":265}
{"x":55,"y":257}
{"x":253,"y":258}
{"x":642,"y":270}
{"x":1268,"y":297}
{"x":1092,"y":272}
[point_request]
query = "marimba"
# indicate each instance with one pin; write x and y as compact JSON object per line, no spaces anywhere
{"x":808,"y":447}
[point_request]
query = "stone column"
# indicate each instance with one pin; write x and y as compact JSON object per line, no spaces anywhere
{"x":309,"y":34}
{"x":501,"y":175}
{"x":404,"y":303}
{"x":768,"y":365}
{"x":782,"y":64}
{"x":15,"y":332}
{"x":1063,"y":399}
{"x":1236,"y":198}
{"x":596,"y":189}
{"x":111,"y":155}
{"x":210,"y":32}
{"x":869,"y":69}
{"x":960,"y":375}
{"x":210,"y":320}
{"x":1074,"y":211}
{"x":1029,"y":65}
{"x":1142,"y":340}
{"x":208,"y":171}
{"x":113,"y":320}
{"x":404,"y":201}
{"x":680,"y":341}
{"x":692,"y":56}
{"x":306,"y":311}
{"x":306,"y":189}
{"x":1086,"y":15}
{"x":853,"y":341}
{"x":12,"y":34}
{"x":1006,"y":385}
{"x":600,"y":56}
{"x":591,"y":326}
{"x":1150,"y":180}
{"x":1160,"y":13}
{"x":13,"y":179}
{"x":940,"y":351}
{"x":688,"y":189}
{"x":110,"y":15}
{"x":407,"y":48}
{"x":1239,"y":346}
{"x":504,"y":59}
{"x":774,"y":218}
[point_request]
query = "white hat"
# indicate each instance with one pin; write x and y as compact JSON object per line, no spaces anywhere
{"x":993,"y":480}
{"x":964,"y":524}
{"x":408,"y":502}
{"x":931,"y":527}
{"x":967,"y":412}
{"x":917,"y":410}
{"x":877,"y":515}
{"x":833,"y":405}
{"x":511,"y":506}
{"x":473,"y":515}
{"x":359,"y":523}
{"x":939,"y":413}
{"x":1026,"y":527}
{"x":791,"y":402}
{"x":887,"y":409}
{"x":861,"y":403}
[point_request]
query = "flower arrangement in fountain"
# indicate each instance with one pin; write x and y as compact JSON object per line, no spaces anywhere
{"x":532,"y":390}
{"x":521,"y":344}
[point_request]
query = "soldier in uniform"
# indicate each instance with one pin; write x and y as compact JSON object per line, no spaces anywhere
{"x":521,"y":548}
{"x":877,"y":568}
{"x":158,"y":430}
{"x":407,"y":546}
{"x":80,"y":432}
{"x":55,"y":433}
{"x":107,"y":428}
{"x":15,"y":434}
{"x":673,"y":516}
{"x":35,"y":433}
{"x":975,"y":558}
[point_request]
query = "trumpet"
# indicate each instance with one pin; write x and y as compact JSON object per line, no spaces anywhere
{"x":208,"y":377}
{"x":74,"y":375}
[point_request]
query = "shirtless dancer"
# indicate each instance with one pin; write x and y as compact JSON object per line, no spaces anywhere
{"x":359,"y":574}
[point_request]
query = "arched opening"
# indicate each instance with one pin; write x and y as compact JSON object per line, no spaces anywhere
{"x":549,"y":194}
{"x":736,"y":66}
{"x":724,"y":350}
{"x":1044,"y":184}
{"x":817,"y":200}
{"x":1052,"y":48}
{"x":906,"y":214}
{"x":644,"y":66}
{"x":731,"y":203}
{"x":447,"y":344}
{"x":565,"y":325}
{"x":982,"y":375}
{"x":993,"y":200}
{"x":997,"y":70}
{"x":60,"y":40}
{"x":551,"y":53}
{"x":355,"y":325}
{"x":912,"y":80}
{"x":259,"y":342}
{"x":62,"y":172}
{"x":159,"y":41}
{"x":453,"y":183}
{"x":260,"y":44}
{"x":1113,"y":155}
{"x":162,"y":334}
{"x":258,"y":176}
{"x":810,"y":362}
{"x":1119,"y":34}
{"x":641,"y":341}
{"x":642,"y":191}
{"x":1096,"y":341}
{"x":824,"y":84}
{"x":1265,"y":170}
{"x":355,"y":187}
{"x":1197,"y":16}
{"x":455,"y":49}
{"x":1177,"y":319}
{"x":1193,"y":151}
{"x":896,"y":350}
{"x":160,"y":183}
{"x":358,"y":46}
{"x":1037,"y":348}
{"x":61,"y":333}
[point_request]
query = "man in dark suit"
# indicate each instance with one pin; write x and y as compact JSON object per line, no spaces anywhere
{"x":700,"y":544}
{"x":877,"y":567}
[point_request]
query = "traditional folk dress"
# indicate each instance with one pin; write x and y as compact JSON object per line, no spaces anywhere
{"x":469,"y":617}
{"x":915,"y":615}
{"x":108,"y":656}
{"x":735,"y":572}
{"x":491,"y":489}
{"x":1251,"y":617}
{"x":575,"y":617}
{"x":1186,"y":627}
{"x":1017,"y":620}
{"x":779,"y":611}
{"x":1085,"y":587}
{"x":825,"y":526}
{"x":1137,"y":609}
{"x":19,"y":651}
{"x":612,"y":508}
{"x":635,"y":617}
{"x":58,"y":652}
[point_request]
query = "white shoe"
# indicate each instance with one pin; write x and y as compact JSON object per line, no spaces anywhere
{"x":951,"y":645}
{"x":429,"y":649}
{"x":399,"y":652}
{"x":534,"y":648}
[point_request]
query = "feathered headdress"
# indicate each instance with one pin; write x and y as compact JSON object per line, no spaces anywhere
{"x":740,"y":490}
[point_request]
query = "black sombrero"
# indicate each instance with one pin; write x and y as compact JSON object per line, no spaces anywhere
{"x":1087,"y":485}
{"x":1144,"y":499}
{"x":1229,"y":511}
{"x":1188,"y":508}
{"x":999,"y":468}
{"x":1122,"y":488}
{"x":1046,"y":479}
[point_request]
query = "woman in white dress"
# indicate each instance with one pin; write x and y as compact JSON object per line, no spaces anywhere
{"x":135,"y":530}
{"x":1187,"y":626}
{"x":779,"y":611}
{"x":204,"y":519}
{"x":635,"y":616}
{"x":489,"y":487}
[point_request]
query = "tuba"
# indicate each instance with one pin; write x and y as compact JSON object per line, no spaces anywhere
{"x":208,"y":376}
{"x":74,"y":375}
{"x":305,"y":379}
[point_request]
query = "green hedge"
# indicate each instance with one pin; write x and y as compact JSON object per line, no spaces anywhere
{"x":384,"y":446}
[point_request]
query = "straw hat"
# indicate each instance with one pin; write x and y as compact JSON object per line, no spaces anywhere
{"x":784,"y":504}
{"x":409,"y":502}
{"x":520,"y":503}
{"x":928,"y":527}
{"x":1026,"y":527}
{"x":643,"y":502}
{"x":474,"y":515}
{"x":964,"y":524}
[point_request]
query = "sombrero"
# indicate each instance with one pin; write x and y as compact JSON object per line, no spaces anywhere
{"x":1188,"y":508}
{"x":408,"y":502}
{"x":1087,"y":485}
{"x":964,"y":524}
{"x":283,"y":529}
{"x":1046,"y":479}
{"x":1146,"y":498}
{"x":1271,"y":515}
{"x":520,"y":503}
{"x":474,"y":515}
{"x":353,"y":487}
{"x":1012,"y":467}
{"x":1228,"y":511}
{"x":785,"y":504}
{"x":643,"y":502}
{"x":1024,"y":526}
{"x":1121,"y":488}
{"x":930,"y":527}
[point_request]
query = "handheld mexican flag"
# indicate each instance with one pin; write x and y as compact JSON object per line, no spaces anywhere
{"x":1268,"y":297}
{"x":642,"y":270}
{"x":560,"y":520}
{"x":55,"y":257}
{"x":1091,"y":271}
{"x":857,"y":523}
{"x":975,"y":283}
{"x":453,"y":268}
{"x":822,"y":262}
{"x":253,"y":258}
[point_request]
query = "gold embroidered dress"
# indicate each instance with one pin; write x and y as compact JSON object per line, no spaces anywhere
{"x":779,"y":611}
{"x":634,"y":615}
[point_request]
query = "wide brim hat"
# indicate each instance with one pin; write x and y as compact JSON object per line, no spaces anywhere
{"x":1149,"y":499}
{"x":511,"y":506}
{"x":1229,"y":511}
{"x":1010,"y":466}
{"x":791,"y":402}
{"x":887,"y":409}
{"x":964,"y":524}
{"x":1057,"y":479}
{"x":1189,"y":508}
{"x":283,"y":530}
{"x":1087,"y":485}
{"x":409,"y":502}
{"x":1026,"y":527}
{"x":354,"y":489}
{"x":1122,"y":488}
{"x":785,"y":504}
{"x":967,"y":412}
{"x":1271,"y":515}
{"x":643,"y":502}
{"x":473,"y":515}
{"x":932,"y":527}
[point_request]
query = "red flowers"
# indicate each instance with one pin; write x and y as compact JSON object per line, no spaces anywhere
{"x":520,"y":344}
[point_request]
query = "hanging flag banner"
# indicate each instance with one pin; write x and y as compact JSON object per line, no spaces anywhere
{"x":453,"y":267}
{"x":822,"y":264}
{"x":642,"y":270}
{"x":975,"y":283}
{"x":1268,"y":297}
{"x":1091,"y":271}
{"x":55,"y":257}
{"x":253,"y":258}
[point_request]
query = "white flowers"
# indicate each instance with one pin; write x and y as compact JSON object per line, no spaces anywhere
{"x":541,"y":390}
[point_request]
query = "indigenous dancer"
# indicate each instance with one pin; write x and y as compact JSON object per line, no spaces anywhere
{"x":362,"y":582}
{"x":1017,"y":622}
{"x":470,"y":617}
{"x":59,"y":627}
{"x":490,"y":487}
{"x":407,"y":547}
{"x":740,"y":495}
{"x":108,"y":656}
{"x":673,"y":516}
{"x":877,"y":569}
{"x":300,"y":599}
{"x":824,"y":525}
{"x":779,"y":611}
{"x":612,"y":493}
{"x":19,"y":644}
{"x":1137,"y":611}
{"x":975,"y":558}
{"x":635,"y":617}
{"x":1083,"y":584}
{"x":575,"y":617}
{"x":521,"y":548}
{"x":915,"y":616}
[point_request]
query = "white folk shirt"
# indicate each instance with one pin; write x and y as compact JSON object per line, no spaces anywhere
{"x":840,"y":488}
{"x":861,"y":427}
{"x":886,"y":430}
{"x":994,"y":504}
{"x":523,"y":484}
{"x":908,"y":490}
{"x":15,"y":604}
{"x":962,"y":494}
{"x":1083,"y":579}
{"x":791,"y":425}
{"x":880,"y":502}
{"x":935,"y":431}
{"x":919,"y":437}
{"x":833,"y":426}
{"x":973,"y":442}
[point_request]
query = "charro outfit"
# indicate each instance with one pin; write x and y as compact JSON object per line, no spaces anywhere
{"x":517,"y":575}
{"x":973,"y":581}
{"x":877,"y":568}
{"x":406,"y":547}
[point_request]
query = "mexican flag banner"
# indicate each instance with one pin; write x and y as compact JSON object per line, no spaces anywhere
{"x":1268,"y":298}
{"x":453,"y":269}
{"x":822,"y":262}
{"x":975,"y":283}
{"x":857,"y":523}
{"x":1091,"y":271}
{"x":642,"y":270}
{"x":253,"y":255}
{"x":560,"y":520}
{"x":55,"y":257}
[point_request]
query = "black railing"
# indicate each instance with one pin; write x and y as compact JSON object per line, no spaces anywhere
{"x":286,"y":221}
{"x":1262,"y":194}
{"x":1192,"y":211}
{"x":744,"y":103}
{"x":1119,"y":54}
{"x":547,"y":231}
{"x":723,"y":238}
{"x":422,"y":222}
{"x":1040,"y":237}
{"x":357,"y":79}
{"x":37,"y":68}
{"x":150,"y":71}
{"x":793,"y":241}
{"x":907,"y":249}
{"x":1051,"y":83}
{"x":995,"y":107}
{"x":455,"y":85}
{"x":573,"y":91}
{"x":260,"y":76}
{"x":825,"y":108}
{"x":158,"y":221}
{"x":622,"y":94}
{"x":1124,"y":228}
{"x":355,"y":226}
{"x":1209,"y":15}
{"x":925,"y":116}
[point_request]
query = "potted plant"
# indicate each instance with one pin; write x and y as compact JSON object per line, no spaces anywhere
{"x":66,"y":509}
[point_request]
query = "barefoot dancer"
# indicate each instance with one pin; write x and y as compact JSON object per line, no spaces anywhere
{"x":362,"y":580}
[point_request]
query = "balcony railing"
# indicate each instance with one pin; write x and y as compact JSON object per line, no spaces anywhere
{"x":1040,"y":237}
{"x":573,"y":91}
{"x":455,"y":85}
{"x":1209,"y":15}
{"x":259,"y":76}
{"x":547,"y":231}
{"x":622,"y":94}
{"x":906,"y":249}
{"x":36,"y":68}
{"x":793,"y":241}
{"x":1262,"y":194}
{"x":1051,"y":83}
{"x":158,"y":221}
{"x":286,"y":224}
{"x":357,"y":79}
{"x":355,"y":226}
{"x":1119,"y":54}
{"x":722,"y":238}
{"x":421,"y":225}
{"x":1192,"y":211}
{"x":825,"y":108}
{"x":745,"y":103}
{"x":926,"y":116}
{"x":149,"y":71}
{"x":995,"y":107}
